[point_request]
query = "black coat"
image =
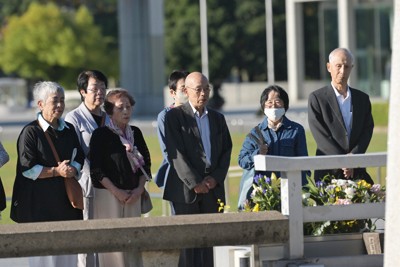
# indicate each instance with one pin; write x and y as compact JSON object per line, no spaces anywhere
{"x":186,"y":154}
{"x":43,"y":199}
{"x":328,"y":128}
{"x":108,"y":158}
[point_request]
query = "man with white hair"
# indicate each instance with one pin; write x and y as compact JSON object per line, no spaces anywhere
{"x":340,"y":117}
{"x":199,"y":150}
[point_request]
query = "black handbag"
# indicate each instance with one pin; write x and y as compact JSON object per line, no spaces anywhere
{"x":2,"y":197}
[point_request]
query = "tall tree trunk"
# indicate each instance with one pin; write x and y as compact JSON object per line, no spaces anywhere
{"x":392,"y":232}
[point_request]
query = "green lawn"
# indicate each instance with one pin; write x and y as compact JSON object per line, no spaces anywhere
{"x":7,"y":172}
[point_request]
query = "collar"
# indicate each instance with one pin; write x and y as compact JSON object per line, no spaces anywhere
{"x":196,"y":112}
{"x":337,"y":92}
{"x":45,"y":125}
{"x":285,"y":123}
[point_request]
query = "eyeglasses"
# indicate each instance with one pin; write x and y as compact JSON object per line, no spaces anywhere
{"x":199,"y":89}
{"x":97,"y":90}
{"x":274,"y":102}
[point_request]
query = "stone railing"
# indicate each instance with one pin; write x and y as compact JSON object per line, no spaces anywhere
{"x":159,"y":238}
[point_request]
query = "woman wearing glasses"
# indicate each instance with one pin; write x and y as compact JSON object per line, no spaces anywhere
{"x":276,"y":135}
{"x":87,"y":117}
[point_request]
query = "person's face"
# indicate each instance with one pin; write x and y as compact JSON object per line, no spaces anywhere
{"x":340,"y":68}
{"x":53,"y":107}
{"x":122,"y":111}
{"x":179,"y":95}
{"x":198,"y":91}
{"x":95,"y":93}
{"x":274,"y":101}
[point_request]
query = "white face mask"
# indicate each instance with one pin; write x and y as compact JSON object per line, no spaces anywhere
{"x":181,"y":97}
{"x":274,"y":114}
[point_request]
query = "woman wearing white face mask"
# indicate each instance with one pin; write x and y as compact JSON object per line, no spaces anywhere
{"x":275,"y":135}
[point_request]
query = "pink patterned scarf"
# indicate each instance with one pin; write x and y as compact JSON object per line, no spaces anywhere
{"x":134,"y":156}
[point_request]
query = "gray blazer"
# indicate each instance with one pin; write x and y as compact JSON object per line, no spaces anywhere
{"x":187,"y":157}
{"x":84,"y":125}
{"x":327,"y":125}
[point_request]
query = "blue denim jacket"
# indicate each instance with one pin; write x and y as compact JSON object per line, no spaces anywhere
{"x":289,"y":140}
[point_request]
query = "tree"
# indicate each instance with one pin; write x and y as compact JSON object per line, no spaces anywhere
{"x":250,"y":44}
{"x":182,"y":36}
{"x":236,"y":38}
{"x":47,"y":43}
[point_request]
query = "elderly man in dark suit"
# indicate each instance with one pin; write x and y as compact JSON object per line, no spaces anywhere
{"x":340,"y":117}
{"x":199,"y":149}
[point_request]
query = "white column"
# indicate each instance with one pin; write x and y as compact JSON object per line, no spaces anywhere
{"x":295,"y":51}
{"x":346,"y":25}
{"x":204,"y":38}
{"x":392,"y":232}
{"x":270,"y":41}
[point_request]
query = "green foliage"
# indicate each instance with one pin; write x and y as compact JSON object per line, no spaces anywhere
{"x":266,"y":194}
{"x":251,"y":44}
{"x":49,"y":43}
{"x":236,"y":38}
{"x":380,"y":113}
{"x":182,"y":31}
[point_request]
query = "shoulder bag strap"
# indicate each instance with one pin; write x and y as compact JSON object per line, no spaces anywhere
{"x":52,"y":146}
{"x":260,"y":135}
{"x":257,"y":138}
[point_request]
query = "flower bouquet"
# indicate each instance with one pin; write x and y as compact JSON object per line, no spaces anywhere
{"x":266,"y":195}
{"x":340,"y":192}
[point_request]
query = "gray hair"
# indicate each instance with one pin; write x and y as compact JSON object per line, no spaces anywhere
{"x":341,"y":49}
{"x":42,"y":90}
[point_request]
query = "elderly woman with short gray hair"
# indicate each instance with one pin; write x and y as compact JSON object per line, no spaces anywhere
{"x":48,"y":153}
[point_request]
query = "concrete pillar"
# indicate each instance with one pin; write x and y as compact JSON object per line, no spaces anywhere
{"x":204,"y":38}
{"x":141,"y":33}
{"x":269,"y":26}
{"x":346,"y":25}
{"x":392,"y":232}
{"x":295,"y":50}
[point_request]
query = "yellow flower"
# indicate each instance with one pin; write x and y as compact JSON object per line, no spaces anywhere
{"x":256,"y":208}
{"x":275,"y":182}
{"x":222,"y":206}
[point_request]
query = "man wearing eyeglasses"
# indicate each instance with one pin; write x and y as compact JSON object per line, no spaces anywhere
{"x":199,"y":148}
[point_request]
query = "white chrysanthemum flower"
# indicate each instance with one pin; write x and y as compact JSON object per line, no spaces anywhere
{"x":352,"y":183}
{"x":349,"y":192}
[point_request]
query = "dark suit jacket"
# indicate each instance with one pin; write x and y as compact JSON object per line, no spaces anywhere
{"x":327,"y":125}
{"x":187,"y":157}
